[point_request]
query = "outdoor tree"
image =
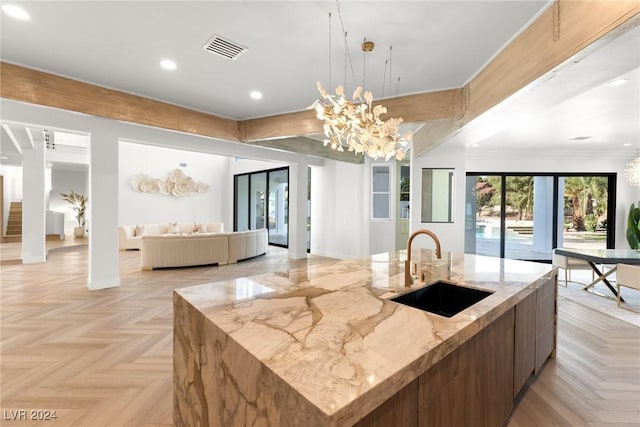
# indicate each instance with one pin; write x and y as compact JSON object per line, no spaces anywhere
{"x":484,"y":193}
{"x":587,"y":196}
{"x":520,"y":195}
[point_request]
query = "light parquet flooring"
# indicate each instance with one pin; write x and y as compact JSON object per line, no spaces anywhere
{"x":104,"y":358}
{"x":11,"y":253}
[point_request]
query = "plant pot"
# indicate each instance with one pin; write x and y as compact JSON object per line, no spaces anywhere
{"x":78,"y":231}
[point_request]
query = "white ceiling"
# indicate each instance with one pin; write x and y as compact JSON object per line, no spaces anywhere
{"x":436,"y":45}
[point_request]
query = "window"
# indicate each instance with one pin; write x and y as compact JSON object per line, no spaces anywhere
{"x":380,"y":196}
{"x":405,"y":186}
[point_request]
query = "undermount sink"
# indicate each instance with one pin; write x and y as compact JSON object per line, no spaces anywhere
{"x":442,"y":298}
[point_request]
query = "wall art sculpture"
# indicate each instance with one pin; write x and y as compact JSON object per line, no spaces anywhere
{"x":176,"y":184}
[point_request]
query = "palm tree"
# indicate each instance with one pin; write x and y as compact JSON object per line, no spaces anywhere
{"x":520,"y":195}
{"x":573,"y":189}
{"x":582,"y":192}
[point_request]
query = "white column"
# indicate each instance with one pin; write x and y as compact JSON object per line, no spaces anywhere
{"x":280,"y":203}
{"x":542,"y":214}
{"x":298,"y":182}
{"x":560,"y":225}
{"x":103,"y":211}
{"x":33,"y":203}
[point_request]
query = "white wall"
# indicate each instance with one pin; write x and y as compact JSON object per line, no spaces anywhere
{"x":144,"y":208}
{"x":63,"y":181}
{"x":337,"y":215}
{"x":451,"y":235}
{"x":238,"y":166}
{"x":570,"y":162}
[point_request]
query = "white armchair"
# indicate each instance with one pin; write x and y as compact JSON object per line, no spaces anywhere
{"x":629,"y":277}
{"x":568,"y":264}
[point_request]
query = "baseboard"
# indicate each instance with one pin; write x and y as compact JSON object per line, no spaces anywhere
{"x":332,"y":255}
{"x":29,"y":259}
{"x":103,"y":284}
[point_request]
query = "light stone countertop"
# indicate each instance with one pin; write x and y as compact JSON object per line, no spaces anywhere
{"x":330,"y":333}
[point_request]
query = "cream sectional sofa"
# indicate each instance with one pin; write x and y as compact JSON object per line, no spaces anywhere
{"x":129,"y":239}
{"x":181,"y":250}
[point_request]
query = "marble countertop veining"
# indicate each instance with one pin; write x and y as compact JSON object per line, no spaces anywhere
{"x":331,"y":333}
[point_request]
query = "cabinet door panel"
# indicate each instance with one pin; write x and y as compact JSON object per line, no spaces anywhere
{"x":525,"y":342}
{"x":546,"y":321}
{"x":400,"y":410}
{"x":477,"y":390}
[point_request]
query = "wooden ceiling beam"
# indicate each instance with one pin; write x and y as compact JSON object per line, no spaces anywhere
{"x":445,"y":104}
{"x":37,"y":87}
{"x":563,"y":30}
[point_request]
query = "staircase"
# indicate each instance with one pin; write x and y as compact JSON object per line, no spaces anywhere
{"x":13,"y":233}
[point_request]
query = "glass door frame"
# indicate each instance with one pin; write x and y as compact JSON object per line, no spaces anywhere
{"x":248,"y":195}
{"x":611,"y":202}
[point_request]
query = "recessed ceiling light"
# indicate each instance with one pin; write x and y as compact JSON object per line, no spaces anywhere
{"x":474,"y":145}
{"x":255,"y":94}
{"x":4,"y":158}
{"x":627,"y":144}
{"x":168,"y":64}
{"x":15,"y":12}
{"x":618,"y":82}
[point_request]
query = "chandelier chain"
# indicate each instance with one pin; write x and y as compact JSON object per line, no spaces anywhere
{"x":364,"y":68}
{"x":346,"y":49}
{"x":330,"y":85}
{"x":390,"y":65}
{"x":384,"y":76}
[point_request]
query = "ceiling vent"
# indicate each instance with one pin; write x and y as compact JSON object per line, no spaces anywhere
{"x":223,"y":47}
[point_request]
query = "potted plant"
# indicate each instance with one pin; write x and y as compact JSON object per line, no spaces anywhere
{"x":78,"y":203}
{"x":633,"y":227}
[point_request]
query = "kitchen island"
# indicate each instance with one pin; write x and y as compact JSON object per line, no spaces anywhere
{"x":325,"y":346}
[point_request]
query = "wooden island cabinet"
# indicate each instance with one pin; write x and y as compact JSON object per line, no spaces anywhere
{"x":477,"y":384}
{"x":325,"y":346}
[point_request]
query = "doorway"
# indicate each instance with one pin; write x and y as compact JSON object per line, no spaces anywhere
{"x":261,"y":200}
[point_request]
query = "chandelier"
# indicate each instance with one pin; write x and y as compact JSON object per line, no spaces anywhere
{"x":632,"y":172}
{"x":356,"y":124}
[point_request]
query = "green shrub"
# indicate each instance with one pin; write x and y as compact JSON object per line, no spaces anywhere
{"x":633,"y":227}
{"x":590,"y":222}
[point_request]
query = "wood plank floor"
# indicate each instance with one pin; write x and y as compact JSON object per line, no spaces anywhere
{"x":104,"y":358}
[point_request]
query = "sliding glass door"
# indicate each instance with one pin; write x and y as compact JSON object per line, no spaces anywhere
{"x":257,"y":201}
{"x":584,"y":212}
{"x":483,"y":215}
{"x":261,"y":200}
{"x":278,"y":203}
{"x":521,"y":216}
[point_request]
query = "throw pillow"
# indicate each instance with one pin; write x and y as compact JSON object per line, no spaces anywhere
{"x":173,"y":228}
{"x":197,"y":228}
{"x":140,"y":230}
